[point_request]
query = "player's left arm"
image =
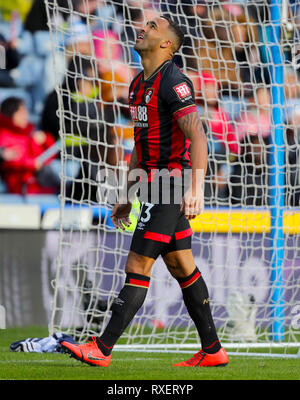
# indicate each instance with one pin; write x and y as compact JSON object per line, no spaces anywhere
{"x":191,"y":126}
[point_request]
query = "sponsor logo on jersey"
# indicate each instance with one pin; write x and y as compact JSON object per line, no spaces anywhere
{"x":148,"y":95}
{"x":183,"y":91}
{"x":139,"y":115}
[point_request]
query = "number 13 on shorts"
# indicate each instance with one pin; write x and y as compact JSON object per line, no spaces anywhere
{"x":145,"y":212}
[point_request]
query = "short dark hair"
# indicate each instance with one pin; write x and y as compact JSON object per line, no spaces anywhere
{"x":176,"y":29}
{"x":10,"y":105}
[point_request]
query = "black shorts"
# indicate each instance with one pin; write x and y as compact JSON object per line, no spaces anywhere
{"x":161,"y":229}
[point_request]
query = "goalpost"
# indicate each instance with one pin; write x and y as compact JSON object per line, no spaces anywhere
{"x":247,"y":241}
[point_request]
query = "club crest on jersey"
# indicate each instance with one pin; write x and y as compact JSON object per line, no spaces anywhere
{"x":148,"y":95}
{"x":183,"y":91}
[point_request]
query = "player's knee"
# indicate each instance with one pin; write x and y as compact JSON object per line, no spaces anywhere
{"x":137,"y":264}
{"x":172,"y":262}
{"x":134,"y":269}
{"x":174,"y":270}
{"x":174,"y":266}
{"x":178,"y":266}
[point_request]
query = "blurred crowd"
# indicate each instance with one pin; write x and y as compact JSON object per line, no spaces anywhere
{"x":82,"y":108}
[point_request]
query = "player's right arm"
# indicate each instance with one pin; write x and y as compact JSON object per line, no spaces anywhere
{"x":178,"y":93}
{"x":193,"y":200}
{"x":121,"y":211}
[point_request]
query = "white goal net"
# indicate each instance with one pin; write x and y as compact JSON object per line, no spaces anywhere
{"x":242,"y":57}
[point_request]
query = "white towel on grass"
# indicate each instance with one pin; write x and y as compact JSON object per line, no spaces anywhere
{"x":50,"y":344}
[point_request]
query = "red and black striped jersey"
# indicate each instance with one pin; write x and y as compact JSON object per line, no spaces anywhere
{"x":155,"y":106}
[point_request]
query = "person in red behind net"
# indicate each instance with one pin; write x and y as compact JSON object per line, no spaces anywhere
{"x":219,"y":124}
{"x":168,"y":137}
{"x":223,"y":142}
{"x":19,"y":135}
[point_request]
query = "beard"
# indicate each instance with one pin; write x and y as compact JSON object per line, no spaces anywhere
{"x":141,"y":46}
{"x":137,"y":49}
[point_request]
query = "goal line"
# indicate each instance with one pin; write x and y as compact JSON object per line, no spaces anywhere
{"x":187,"y":348}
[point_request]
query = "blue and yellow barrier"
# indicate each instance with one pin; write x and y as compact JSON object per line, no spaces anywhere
{"x":244,"y":221}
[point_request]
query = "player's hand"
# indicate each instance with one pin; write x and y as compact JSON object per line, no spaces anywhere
{"x":193,"y":202}
{"x":120,"y":215}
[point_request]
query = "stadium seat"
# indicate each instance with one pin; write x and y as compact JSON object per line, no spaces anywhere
{"x":42,"y":43}
{"x":16,"y":92}
{"x":38,"y":97}
{"x":29,"y":75}
{"x":25,"y":44}
{"x":3,"y":186}
{"x":5,"y":29}
{"x":60,"y":69}
{"x":71,"y":168}
{"x":7,"y":198}
{"x":29,"y":71}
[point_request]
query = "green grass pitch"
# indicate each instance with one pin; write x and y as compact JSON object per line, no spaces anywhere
{"x":132,"y":365}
